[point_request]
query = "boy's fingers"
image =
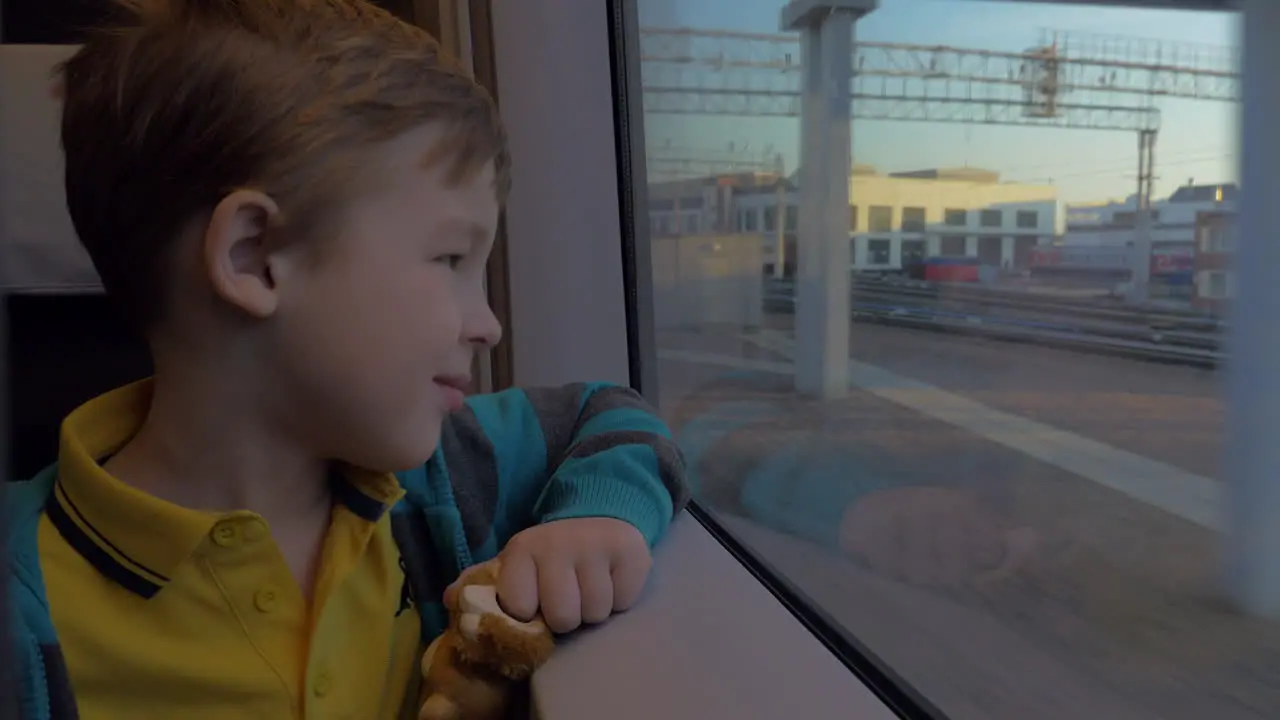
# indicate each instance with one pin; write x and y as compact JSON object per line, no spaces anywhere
{"x":595,"y":587}
{"x":518,"y":585}
{"x":561,"y":599}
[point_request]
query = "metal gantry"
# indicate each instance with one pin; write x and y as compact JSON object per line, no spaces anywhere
{"x":1075,"y":80}
{"x":667,"y":162}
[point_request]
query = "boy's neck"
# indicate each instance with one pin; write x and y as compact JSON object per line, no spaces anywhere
{"x":207,"y":446}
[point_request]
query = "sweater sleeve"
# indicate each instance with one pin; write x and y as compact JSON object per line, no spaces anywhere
{"x":527,"y":456}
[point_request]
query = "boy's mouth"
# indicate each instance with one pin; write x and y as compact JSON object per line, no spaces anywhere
{"x":454,"y":388}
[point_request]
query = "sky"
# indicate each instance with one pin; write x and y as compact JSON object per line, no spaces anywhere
{"x":1197,"y":138}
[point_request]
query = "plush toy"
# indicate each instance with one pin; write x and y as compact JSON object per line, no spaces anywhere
{"x":472,"y":670}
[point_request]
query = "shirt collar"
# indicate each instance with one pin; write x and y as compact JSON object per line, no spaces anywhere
{"x":138,"y":540}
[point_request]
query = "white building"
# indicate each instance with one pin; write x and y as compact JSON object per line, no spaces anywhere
{"x":1111,"y":223}
{"x":892,"y":217}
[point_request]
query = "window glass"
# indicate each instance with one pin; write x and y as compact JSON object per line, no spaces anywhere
{"x":913,"y":219}
{"x":878,"y":251}
{"x":1017,"y":516}
{"x":913,"y":251}
{"x":880,"y":219}
{"x":953,"y":245}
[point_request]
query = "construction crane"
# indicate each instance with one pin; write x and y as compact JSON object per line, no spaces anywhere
{"x":1066,"y":80}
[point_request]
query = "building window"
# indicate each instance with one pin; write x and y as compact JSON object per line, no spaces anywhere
{"x":793,"y":217}
{"x":1215,"y":284}
{"x":913,"y":219}
{"x":751,"y":223}
{"x":955,"y":217}
{"x":990,"y":218}
{"x":952,"y":245}
{"x":1028,"y":219}
{"x":853,"y":218}
{"x":880,"y":219}
{"x":990,"y":249}
{"x":1022,"y":249}
{"x":691,"y":224}
{"x":770,"y":218}
{"x":913,"y":251}
{"x":1217,"y":239}
{"x":878,"y":251}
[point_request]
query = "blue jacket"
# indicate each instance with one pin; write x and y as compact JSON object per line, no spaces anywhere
{"x":507,"y":461}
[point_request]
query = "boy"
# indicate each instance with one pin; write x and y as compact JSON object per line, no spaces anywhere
{"x":295,"y":200}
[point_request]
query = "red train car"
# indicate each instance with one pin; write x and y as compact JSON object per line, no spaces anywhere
{"x":951,"y":269}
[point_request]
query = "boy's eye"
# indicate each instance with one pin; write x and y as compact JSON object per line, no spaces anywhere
{"x":452,"y":261}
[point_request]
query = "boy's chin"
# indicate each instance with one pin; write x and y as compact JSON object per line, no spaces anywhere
{"x":411,"y":451}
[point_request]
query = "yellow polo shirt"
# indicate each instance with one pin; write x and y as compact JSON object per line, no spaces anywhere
{"x":165,"y":612}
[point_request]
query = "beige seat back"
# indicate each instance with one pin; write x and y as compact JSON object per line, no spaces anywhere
{"x":38,"y":248}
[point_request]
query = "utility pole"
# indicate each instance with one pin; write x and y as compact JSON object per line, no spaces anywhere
{"x":1140,"y":270}
{"x":779,"y":230}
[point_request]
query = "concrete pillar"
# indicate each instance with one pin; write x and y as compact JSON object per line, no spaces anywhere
{"x":826,"y":158}
{"x":1252,"y":464}
{"x":1140,"y":262}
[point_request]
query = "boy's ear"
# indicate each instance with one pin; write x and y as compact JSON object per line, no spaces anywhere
{"x":238,"y":254}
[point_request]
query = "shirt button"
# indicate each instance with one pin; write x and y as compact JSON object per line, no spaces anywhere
{"x":265,"y":599}
{"x":254,"y":531}
{"x":226,"y":534}
{"x":323,"y":684}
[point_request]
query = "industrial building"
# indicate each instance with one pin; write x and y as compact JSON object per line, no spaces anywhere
{"x":893,"y":218}
{"x":1173,"y":221}
{"x":1099,"y":240}
{"x":1214,"y":278}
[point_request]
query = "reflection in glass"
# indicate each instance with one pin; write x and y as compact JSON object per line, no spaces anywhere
{"x":1015,"y":504}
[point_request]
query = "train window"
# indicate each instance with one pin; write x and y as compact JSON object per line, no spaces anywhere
{"x":1000,"y":482}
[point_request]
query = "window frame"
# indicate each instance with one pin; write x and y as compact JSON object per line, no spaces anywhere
{"x":635,"y":239}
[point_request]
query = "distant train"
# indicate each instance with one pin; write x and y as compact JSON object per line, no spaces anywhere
{"x":1170,"y":263}
{"x":943,"y":269}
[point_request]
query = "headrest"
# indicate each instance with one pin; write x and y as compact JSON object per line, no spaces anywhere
{"x":38,"y":247}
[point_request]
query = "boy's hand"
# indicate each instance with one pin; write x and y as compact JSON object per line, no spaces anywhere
{"x":573,"y":571}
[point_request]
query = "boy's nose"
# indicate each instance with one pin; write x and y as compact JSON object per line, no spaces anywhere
{"x":484,"y":328}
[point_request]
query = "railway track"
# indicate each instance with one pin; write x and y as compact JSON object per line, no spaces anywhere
{"x":1148,"y":335}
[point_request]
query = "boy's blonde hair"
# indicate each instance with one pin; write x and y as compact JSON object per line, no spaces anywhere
{"x":179,"y":102}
